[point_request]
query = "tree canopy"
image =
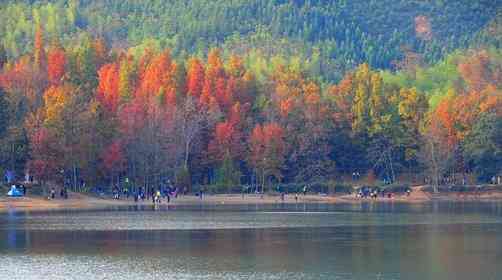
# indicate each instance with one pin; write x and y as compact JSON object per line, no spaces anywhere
{"x":231,"y":92}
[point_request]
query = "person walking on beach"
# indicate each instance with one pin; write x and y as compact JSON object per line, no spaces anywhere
{"x":115,"y":192}
{"x":53,"y":193}
{"x":64,"y":193}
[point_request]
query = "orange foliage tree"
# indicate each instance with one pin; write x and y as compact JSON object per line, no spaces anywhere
{"x":267,"y":151}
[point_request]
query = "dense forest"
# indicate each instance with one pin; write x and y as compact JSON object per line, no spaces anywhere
{"x":225,"y":93}
{"x":336,"y":34}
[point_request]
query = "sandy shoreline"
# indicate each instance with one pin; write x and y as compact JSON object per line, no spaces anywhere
{"x":82,"y":201}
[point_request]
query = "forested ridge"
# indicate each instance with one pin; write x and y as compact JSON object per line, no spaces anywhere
{"x":238,"y":92}
{"x":341,"y":33}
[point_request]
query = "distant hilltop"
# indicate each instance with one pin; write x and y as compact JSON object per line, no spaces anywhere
{"x":341,"y":33}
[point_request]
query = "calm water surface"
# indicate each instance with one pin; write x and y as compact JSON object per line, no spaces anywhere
{"x":315,"y":241}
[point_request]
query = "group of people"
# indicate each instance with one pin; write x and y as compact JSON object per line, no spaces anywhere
{"x":496,"y":180}
{"x":374,"y":193}
{"x":304,"y":190}
{"x":63,"y":193}
{"x":166,"y":191}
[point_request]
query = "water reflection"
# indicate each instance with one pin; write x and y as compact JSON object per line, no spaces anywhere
{"x":361,"y":241}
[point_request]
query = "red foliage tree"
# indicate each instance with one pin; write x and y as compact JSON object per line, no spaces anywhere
{"x":38,"y":47}
{"x":108,"y":87}
{"x":475,"y":70}
{"x":44,"y":148}
{"x":206,"y":95}
{"x":256,"y":146}
{"x":16,"y":77}
{"x":342,"y":96}
{"x":286,"y":106}
{"x":226,"y":142}
{"x":444,"y":122}
{"x":56,"y":62}
{"x":113,"y":157}
{"x":26,"y":82}
{"x":236,"y":114}
{"x":132,"y":117}
{"x":195,"y":77}
{"x":214,"y":65}
{"x":228,"y":98}
{"x":267,"y":150}
{"x":220,"y":93}
{"x":214,"y":80}
{"x":160,"y":73}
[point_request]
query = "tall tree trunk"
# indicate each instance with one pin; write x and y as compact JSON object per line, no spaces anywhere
{"x":391,"y":166}
{"x":434,"y":167}
{"x":75,"y":183}
{"x":262,"y":181}
{"x":187,"y":153}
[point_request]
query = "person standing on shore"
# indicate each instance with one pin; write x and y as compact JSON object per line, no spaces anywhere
{"x":141,"y":194}
{"x":158,"y":196}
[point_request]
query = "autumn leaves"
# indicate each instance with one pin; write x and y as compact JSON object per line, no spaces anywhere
{"x":106,"y":113}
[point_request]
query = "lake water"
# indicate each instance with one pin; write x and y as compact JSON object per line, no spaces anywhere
{"x":304,"y":241}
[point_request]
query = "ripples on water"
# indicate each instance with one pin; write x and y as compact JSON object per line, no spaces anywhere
{"x":314,"y":241}
{"x":98,"y":267}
